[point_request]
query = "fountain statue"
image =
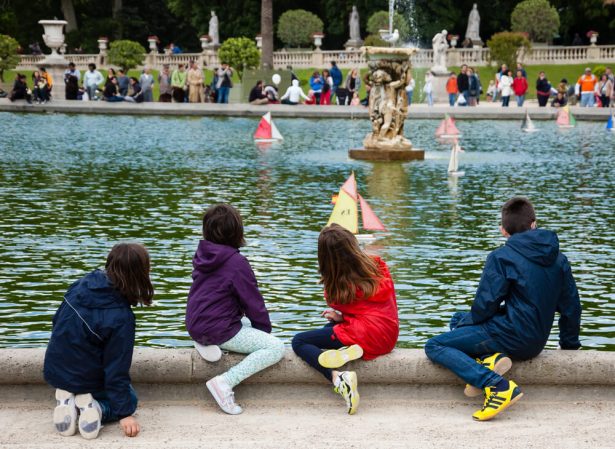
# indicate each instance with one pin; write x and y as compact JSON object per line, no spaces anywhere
{"x":355,"y":31}
{"x":389,"y":71}
{"x":440,"y":46}
{"x":55,"y":63}
{"x":213,"y":30}
{"x":472,"y":32}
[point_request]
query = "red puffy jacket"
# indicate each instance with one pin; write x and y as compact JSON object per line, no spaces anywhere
{"x":519,"y":86}
{"x":371,"y":323}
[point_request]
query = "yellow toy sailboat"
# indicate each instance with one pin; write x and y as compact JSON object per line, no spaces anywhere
{"x":346,"y":213}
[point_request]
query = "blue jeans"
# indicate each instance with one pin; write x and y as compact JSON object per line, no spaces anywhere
{"x":429,"y":98}
{"x":105,"y":405}
{"x":520,"y":100}
{"x":409,"y":95}
{"x":505,"y":101}
{"x":223,"y":93}
{"x":451,"y":99}
{"x":457,"y":350}
{"x":309,"y":345}
{"x":587,"y":99}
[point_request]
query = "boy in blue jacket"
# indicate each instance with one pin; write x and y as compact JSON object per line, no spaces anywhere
{"x":523,"y":284}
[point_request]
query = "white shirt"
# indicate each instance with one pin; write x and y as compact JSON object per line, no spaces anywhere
{"x":505,"y":85}
{"x":294,"y":93}
{"x":92,"y":78}
{"x":410,"y":86}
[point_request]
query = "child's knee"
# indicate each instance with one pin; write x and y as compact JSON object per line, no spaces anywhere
{"x":431,"y":348}
{"x":297,"y":341}
{"x":278,"y":350}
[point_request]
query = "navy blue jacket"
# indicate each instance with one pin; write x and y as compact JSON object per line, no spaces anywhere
{"x":523,"y":284}
{"x":336,"y":76}
{"x":91,"y":344}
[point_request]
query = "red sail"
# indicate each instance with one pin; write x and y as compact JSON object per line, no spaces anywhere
{"x":370,"y":221}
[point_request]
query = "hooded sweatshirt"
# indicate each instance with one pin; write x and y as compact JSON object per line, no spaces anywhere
{"x":523,"y":284}
{"x":91,"y":344}
{"x":294,"y":93}
{"x":224,"y":289}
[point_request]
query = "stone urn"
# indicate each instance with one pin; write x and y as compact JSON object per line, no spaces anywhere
{"x":205,"y":40}
{"x":259,"y":41}
{"x":153,"y":44}
{"x":593,"y":38}
{"x":454,"y":40}
{"x":318,"y":37}
{"x":389,"y":71}
{"x":54,"y":39}
{"x":102,"y":44}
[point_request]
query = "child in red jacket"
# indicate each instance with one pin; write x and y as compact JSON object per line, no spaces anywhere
{"x":363,"y":320}
{"x":519,"y":87}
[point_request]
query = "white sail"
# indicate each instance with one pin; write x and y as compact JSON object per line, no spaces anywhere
{"x":275,"y":134}
{"x":453,"y":163}
{"x":528,"y":125}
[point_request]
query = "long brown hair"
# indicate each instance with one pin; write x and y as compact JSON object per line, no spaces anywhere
{"x":128,"y":268}
{"x":344,"y":267}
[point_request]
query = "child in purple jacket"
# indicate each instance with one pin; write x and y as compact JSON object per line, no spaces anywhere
{"x":224,"y":290}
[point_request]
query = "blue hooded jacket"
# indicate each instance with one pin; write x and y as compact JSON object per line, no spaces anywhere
{"x":522,"y":286}
{"x":91,"y":344}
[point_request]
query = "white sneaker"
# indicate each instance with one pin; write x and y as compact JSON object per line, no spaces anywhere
{"x":89,"y":417}
{"x":211,"y":353}
{"x":223,"y":394}
{"x":65,"y":413}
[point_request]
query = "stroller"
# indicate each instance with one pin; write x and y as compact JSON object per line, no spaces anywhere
{"x":342,"y":96}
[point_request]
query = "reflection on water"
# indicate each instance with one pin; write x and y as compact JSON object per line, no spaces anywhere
{"x":71,"y":186}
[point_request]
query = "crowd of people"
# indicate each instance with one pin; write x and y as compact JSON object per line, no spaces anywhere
{"x":465,"y":88}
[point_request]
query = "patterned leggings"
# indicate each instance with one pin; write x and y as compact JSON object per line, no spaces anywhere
{"x":263,"y":350}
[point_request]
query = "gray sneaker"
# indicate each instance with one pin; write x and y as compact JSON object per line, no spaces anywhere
{"x":65,"y":413}
{"x":90,"y":416}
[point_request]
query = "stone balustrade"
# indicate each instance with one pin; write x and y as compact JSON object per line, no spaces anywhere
{"x":354,"y":58}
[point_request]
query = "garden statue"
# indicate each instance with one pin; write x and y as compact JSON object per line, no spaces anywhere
{"x":355,"y":31}
{"x":473,"y":30}
{"x":213,"y":30}
{"x":440,"y":46}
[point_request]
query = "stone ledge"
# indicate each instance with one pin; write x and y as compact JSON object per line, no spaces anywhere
{"x":402,"y":366}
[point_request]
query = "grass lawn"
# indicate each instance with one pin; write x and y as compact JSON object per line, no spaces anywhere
{"x":554,"y":74}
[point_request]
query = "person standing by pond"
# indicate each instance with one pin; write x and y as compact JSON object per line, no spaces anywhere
{"x":225,"y":83}
{"x":605,"y":90}
{"x":463,"y":83}
{"x":519,"y":86}
{"x":178,"y":83}
{"x":195,"y":83}
{"x":523,"y":284}
{"x":543,"y":89}
{"x":91,"y":80}
{"x":89,"y":353}
{"x":410,"y":86}
{"x":362,"y":313}
{"x":587,"y":86}
{"x":147,"y":84}
{"x":353,"y":83}
{"x":316,"y":85}
{"x":164,"y":85}
{"x":224,"y":290}
{"x":506,"y":87}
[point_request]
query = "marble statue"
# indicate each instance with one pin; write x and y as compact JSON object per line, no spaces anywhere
{"x":440,"y":46}
{"x":355,"y":29}
{"x":472,"y":32}
{"x":213,"y":29}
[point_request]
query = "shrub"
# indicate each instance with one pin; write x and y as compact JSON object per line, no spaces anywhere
{"x":374,"y":40}
{"x":599,"y":70}
{"x":537,"y":18}
{"x":505,"y":47}
{"x":240,"y":53}
{"x":295,"y":27}
{"x":380,"y":21}
{"x":8,"y":54}
{"x":126,"y":54}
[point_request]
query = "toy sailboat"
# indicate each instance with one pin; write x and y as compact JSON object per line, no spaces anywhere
{"x":346,"y":214}
{"x":447,"y":129}
{"x":610,"y":124}
{"x":528,"y":125}
{"x":267,"y":131}
{"x":565,"y":119}
{"x":453,"y":163}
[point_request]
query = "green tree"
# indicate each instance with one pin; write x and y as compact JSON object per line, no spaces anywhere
{"x":127,"y":54}
{"x":505,"y":47}
{"x":240,"y":53}
{"x":537,"y":18}
{"x":380,"y":21}
{"x":296,"y":26}
{"x":8,"y":54}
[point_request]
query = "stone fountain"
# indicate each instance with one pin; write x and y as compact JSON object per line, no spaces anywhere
{"x":389,"y":71}
{"x":55,"y":63}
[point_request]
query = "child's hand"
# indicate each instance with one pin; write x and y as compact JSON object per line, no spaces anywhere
{"x":130,"y":426}
{"x":332,"y":315}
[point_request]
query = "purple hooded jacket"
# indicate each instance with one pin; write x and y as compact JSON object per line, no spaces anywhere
{"x":224,"y":289}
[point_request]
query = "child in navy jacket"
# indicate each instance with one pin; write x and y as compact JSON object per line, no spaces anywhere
{"x":90,"y":350}
{"x":523,"y":284}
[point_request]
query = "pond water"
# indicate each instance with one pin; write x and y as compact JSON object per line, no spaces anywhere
{"x":72,"y":186}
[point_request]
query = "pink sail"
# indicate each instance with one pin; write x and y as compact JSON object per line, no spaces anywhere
{"x":350,"y":186}
{"x":441,"y":129}
{"x":563,"y":118}
{"x":370,"y":221}
{"x":451,"y":129}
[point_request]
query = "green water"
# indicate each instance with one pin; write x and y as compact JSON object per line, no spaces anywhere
{"x":72,"y":186}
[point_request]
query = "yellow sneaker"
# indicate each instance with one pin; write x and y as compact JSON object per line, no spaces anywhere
{"x":498,"y":363}
{"x":497,"y":401}
{"x":347,"y":388}
{"x":339,"y":357}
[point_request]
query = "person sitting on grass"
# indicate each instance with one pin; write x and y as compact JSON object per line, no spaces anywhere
{"x":20,"y":89}
{"x":293,"y":94}
{"x":363,"y":320}
{"x":523,"y":284}
{"x":257,"y":96}
{"x":137,"y":93}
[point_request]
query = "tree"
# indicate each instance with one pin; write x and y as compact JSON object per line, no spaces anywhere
{"x":267,"y":34}
{"x":240,"y":53}
{"x":380,"y":21}
{"x":68,"y":10}
{"x":505,"y":47}
{"x":296,"y":26}
{"x":8,"y":54}
{"x":127,"y":54}
{"x":537,"y":18}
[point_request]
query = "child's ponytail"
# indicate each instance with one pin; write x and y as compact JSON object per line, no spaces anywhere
{"x":128,"y":267}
